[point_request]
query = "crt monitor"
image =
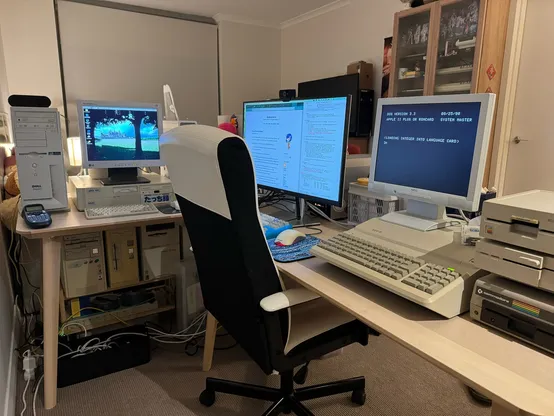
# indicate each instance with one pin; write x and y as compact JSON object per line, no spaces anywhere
{"x":299,"y":146}
{"x":432,"y":151}
{"x":120,"y":135}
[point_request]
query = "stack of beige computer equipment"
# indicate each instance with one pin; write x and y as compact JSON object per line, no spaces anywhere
{"x":518,"y":249}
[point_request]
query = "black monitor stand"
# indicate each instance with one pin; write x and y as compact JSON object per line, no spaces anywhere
{"x":123,"y":176}
{"x":300,"y":220}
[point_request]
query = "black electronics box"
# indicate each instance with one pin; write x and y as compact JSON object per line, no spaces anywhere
{"x":335,"y":213}
{"x":471,"y":215}
{"x":361,"y":117}
{"x":287,"y":94}
{"x":127,"y":351}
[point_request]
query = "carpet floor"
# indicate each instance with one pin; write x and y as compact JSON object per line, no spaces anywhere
{"x":398,"y":383}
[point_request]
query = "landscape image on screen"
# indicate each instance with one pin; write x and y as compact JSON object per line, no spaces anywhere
{"x":121,"y":134}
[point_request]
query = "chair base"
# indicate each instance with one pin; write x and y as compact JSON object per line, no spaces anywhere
{"x":287,"y":399}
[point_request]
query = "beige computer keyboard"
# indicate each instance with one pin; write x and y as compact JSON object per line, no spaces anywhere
{"x":120,"y":211}
{"x":422,"y":266}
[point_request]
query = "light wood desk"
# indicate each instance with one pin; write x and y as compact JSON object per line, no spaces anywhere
{"x":518,"y":378}
{"x":72,"y":222}
{"x":515,"y":376}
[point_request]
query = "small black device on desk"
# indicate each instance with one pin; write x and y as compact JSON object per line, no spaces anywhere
{"x":35,"y":216}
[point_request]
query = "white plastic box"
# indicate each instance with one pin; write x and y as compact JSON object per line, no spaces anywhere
{"x":364,"y":205}
{"x":189,"y":303}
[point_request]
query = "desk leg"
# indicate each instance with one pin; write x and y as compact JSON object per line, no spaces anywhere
{"x":499,"y":410}
{"x":209,"y":343}
{"x":50,"y":299}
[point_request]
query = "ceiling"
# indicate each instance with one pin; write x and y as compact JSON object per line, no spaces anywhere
{"x":266,"y":12}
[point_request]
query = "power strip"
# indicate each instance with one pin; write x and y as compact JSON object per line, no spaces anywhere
{"x":92,"y":321}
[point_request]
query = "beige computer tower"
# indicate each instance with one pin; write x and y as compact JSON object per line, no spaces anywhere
{"x":83,"y":268}
{"x":122,"y":257}
{"x":160,"y":256}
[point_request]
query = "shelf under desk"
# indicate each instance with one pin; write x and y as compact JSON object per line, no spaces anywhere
{"x":67,"y":223}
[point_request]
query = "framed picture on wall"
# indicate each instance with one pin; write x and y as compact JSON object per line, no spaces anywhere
{"x":4,"y":129}
{"x":387,"y":62}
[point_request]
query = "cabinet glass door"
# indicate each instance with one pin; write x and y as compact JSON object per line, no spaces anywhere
{"x":458,"y":47}
{"x":412,"y":46}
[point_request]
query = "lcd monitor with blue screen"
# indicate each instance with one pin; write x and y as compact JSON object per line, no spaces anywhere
{"x":432,"y":149}
{"x":299,"y":146}
{"x":428,"y":146}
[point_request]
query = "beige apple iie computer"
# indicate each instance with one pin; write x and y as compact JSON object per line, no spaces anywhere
{"x":431,"y":151}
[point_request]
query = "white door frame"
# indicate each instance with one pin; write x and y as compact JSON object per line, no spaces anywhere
{"x":508,"y":90}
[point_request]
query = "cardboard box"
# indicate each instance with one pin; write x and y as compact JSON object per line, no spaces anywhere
{"x":366,"y":73}
{"x":189,"y":302}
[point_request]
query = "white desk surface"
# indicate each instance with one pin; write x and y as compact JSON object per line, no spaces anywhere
{"x":74,"y":221}
{"x":511,"y":373}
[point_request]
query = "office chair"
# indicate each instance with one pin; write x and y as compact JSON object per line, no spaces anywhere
{"x":214,"y":181}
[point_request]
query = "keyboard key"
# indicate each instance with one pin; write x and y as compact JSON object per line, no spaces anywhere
{"x":349,"y":256}
{"x":444,"y":282}
{"x":434,"y":289}
{"x":402,"y":272}
{"x":397,"y":276}
{"x":410,"y":282}
{"x":404,"y":267}
{"x":413,"y":267}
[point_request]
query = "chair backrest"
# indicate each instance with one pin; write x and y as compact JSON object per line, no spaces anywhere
{"x":214,"y":181}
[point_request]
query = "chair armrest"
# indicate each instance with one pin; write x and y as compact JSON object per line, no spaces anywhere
{"x":286,"y":299}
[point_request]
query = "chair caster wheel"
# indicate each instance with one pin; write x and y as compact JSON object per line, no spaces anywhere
{"x":207,"y":398}
{"x":301,"y":375}
{"x":358,"y":397}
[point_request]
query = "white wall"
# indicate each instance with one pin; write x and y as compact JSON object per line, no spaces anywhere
{"x":155,"y":50}
{"x":249,"y":64}
{"x":250,"y":56}
{"x":324,"y":45}
{"x":30,"y":49}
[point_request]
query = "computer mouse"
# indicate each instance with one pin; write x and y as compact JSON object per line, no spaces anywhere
{"x":175,"y":205}
{"x":289,"y":237}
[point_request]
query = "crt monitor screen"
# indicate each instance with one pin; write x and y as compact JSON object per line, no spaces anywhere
{"x":114,"y":133}
{"x":428,"y":146}
{"x":299,"y":146}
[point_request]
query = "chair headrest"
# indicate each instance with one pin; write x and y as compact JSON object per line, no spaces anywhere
{"x":190,"y":153}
